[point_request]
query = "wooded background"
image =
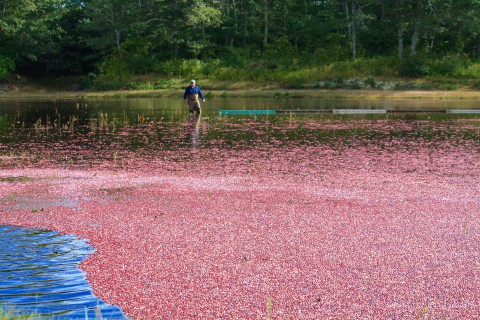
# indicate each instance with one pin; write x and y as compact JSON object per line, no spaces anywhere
{"x":250,"y":39}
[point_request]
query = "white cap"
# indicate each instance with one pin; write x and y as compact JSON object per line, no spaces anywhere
{"x":193,"y":80}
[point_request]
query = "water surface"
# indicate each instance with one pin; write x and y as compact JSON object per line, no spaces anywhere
{"x":39,"y":274}
{"x":130,"y":134}
{"x":89,"y":133}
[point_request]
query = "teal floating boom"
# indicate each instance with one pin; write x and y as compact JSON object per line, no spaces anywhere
{"x":348,"y":111}
{"x":259,"y":112}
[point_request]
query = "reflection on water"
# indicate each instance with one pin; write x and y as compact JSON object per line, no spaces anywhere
{"x":96,"y":133}
{"x":195,"y":128}
{"x":39,"y":274}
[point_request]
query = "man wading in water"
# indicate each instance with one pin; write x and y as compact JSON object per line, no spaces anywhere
{"x":192,"y":92}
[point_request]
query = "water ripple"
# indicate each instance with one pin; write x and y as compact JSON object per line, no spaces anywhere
{"x":39,"y":274}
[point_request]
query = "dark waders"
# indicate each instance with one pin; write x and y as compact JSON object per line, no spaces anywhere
{"x":193,"y":104}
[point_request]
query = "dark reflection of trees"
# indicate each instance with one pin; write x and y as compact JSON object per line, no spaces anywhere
{"x":80,"y":132}
{"x":68,"y":116}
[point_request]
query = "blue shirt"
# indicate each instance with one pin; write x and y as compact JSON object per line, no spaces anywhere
{"x":195,"y":90}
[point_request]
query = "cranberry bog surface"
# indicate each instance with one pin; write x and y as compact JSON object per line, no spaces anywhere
{"x":253,"y":217}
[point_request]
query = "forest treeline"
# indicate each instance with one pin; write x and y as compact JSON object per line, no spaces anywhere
{"x":294,"y":41}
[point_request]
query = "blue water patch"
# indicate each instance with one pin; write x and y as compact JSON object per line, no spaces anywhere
{"x":39,"y":275}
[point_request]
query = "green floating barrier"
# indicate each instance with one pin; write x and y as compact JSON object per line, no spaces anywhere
{"x":248,"y":112}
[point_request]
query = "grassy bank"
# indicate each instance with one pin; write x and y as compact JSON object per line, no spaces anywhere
{"x":254,"y":93}
{"x":152,"y":85}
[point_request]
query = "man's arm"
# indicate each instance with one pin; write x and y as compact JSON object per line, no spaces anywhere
{"x":200,"y":94}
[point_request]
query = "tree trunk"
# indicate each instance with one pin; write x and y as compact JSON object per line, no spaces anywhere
{"x":175,"y":49}
{"x":284,"y":16}
{"x":265,"y":31}
{"x":478,"y":45}
{"x":235,"y":34}
{"x":245,"y":22}
{"x":416,"y":31}
{"x":398,"y":5}
{"x":382,"y":11}
{"x":347,"y":16}
{"x":400,"y":43}
{"x":175,"y":28}
{"x":117,"y":40}
{"x":354,"y":30}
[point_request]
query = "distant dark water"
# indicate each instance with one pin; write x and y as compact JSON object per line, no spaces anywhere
{"x":39,"y":274}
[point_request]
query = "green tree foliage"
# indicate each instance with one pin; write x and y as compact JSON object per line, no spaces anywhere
{"x":6,"y":67}
{"x":119,"y":38}
{"x":30,"y":29}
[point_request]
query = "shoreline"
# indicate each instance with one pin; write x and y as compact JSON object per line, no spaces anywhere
{"x":254,"y":93}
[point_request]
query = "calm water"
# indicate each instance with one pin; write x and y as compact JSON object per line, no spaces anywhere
{"x":91,"y":133}
{"x":38,"y":268}
{"x":39,"y":274}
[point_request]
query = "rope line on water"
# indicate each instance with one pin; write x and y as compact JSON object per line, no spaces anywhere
{"x":220,"y":111}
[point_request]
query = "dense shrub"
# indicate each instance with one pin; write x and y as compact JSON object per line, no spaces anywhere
{"x":105,"y":85}
{"x":292,"y":69}
{"x":413,"y":67}
{"x":472,"y":70}
{"x":377,"y":66}
{"x":323,"y":56}
{"x":180,"y":68}
{"x":7,"y":66}
{"x":140,"y":64}
{"x":448,"y":66}
{"x":306,"y":75}
{"x":114,"y":68}
{"x":227,"y":73}
{"x":160,"y":84}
